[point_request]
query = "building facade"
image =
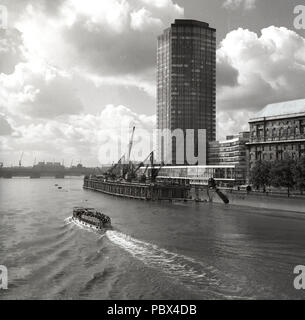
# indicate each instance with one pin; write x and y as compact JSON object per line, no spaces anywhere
{"x":186,"y":84}
{"x":199,"y":175}
{"x":231,"y":152}
{"x":278,"y":132}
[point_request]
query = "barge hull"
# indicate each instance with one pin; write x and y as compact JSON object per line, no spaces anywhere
{"x":138,"y":190}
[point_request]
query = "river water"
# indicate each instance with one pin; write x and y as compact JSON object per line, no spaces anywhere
{"x":154,"y":251}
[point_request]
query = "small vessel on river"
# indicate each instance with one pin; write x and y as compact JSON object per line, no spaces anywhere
{"x":91,"y":218}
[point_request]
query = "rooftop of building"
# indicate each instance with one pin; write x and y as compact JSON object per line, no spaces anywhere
{"x":191,"y":22}
{"x":232,"y":138}
{"x":281,"y":109}
{"x":187,"y":22}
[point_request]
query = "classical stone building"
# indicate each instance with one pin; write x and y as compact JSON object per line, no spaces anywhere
{"x":278,"y":132}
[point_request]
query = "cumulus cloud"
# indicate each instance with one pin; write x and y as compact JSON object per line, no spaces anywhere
{"x":104,"y":37}
{"x":260,"y":69}
{"x":124,"y":43}
{"x":38,"y":90}
{"x":142,"y":19}
{"x":145,"y":83}
{"x":226,"y":74}
{"x":11,"y":50}
{"x":232,"y":122}
{"x":5,"y":127}
{"x":234,"y":4}
{"x":82,"y":136}
{"x":109,"y":44}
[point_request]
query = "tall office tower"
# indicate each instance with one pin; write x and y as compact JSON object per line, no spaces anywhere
{"x":186,"y":83}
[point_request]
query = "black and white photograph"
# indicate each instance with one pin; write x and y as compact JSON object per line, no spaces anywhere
{"x":152,"y":150}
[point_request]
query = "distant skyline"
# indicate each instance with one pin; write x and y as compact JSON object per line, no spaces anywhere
{"x":74,"y":72}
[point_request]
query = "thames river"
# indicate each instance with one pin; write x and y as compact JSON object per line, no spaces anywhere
{"x":154,"y":251}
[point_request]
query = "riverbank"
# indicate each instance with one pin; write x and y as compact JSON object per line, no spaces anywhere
{"x":252,"y":199}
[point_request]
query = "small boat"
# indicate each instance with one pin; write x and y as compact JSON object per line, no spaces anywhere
{"x":59,"y":188}
{"x":91,"y":218}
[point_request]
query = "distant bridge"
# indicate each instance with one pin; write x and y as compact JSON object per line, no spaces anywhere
{"x":34,"y":173}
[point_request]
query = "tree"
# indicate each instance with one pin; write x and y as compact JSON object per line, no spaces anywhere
{"x":281,"y":174}
{"x":260,"y":175}
{"x":298,"y":172}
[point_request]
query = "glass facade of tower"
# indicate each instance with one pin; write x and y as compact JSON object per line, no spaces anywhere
{"x":186,"y":83}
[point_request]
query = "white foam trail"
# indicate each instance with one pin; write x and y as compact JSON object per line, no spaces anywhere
{"x":81,"y":226}
{"x":182,"y":268}
{"x":68,"y":220}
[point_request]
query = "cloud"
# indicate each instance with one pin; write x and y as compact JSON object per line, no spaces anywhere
{"x":83,"y":49}
{"x":110,"y":43}
{"x":226,"y":74}
{"x":113,"y":37}
{"x":260,"y":69}
{"x":5,"y":127}
{"x":82,"y":136}
{"x":10,"y":50}
{"x":144,"y":83}
{"x":120,"y":36}
{"x":38,"y":90}
{"x":232,"y":122}
{"x":142,"y":19}
{"x":235,"y":4}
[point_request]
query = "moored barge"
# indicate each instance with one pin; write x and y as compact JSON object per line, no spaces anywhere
{"x":138,"y":190}
{"x":123,"y":180}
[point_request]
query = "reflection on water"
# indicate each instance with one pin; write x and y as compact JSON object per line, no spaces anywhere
{"x":155,"y":251}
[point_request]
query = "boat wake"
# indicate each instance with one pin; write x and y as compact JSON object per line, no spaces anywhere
{"x":193,"y":274}
{"x":183,"y":269}
{"x":82,"y":226}
{"x":68,"y":220}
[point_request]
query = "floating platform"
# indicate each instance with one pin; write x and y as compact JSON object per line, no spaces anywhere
{"x":137,"y":190}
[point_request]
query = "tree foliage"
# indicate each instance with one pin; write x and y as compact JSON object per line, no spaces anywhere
{"x":260,"y":174}
{"x":298,"y":171}
{"x":286,"y":173}
{"x":281,"y":174}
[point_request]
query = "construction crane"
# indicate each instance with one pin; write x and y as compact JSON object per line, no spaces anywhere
{"x":154,"y":172}
{"x":20,"y":160}
{"x":127,"y":169}
{"x":128,"y":173}
{"x":143,"y":176}
{"x":130,"y":144}
{"x":141,"y":164}
{"x":110,"y":171}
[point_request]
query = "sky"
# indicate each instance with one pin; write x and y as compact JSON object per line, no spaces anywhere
{"x":75,"y":74}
